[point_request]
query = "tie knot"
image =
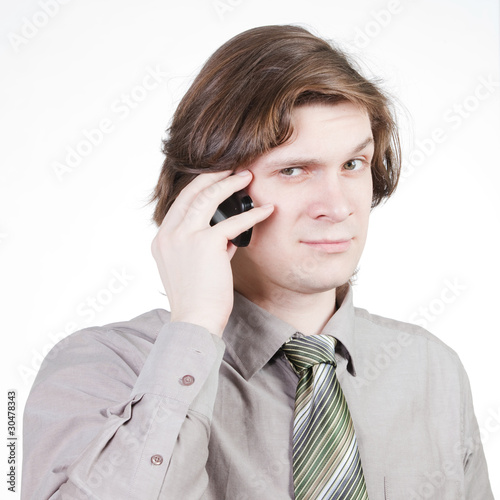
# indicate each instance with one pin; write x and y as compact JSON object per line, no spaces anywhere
{"x":305,"y":352}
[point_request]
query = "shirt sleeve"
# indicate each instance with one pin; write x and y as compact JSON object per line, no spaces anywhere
{"x":476,"y":480}
{"x":100,"y":424}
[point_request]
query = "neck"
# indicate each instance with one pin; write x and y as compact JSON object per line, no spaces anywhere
{"x":307,"y":312}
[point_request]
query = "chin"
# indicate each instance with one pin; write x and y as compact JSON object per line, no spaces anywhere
{"x":317,"y":284}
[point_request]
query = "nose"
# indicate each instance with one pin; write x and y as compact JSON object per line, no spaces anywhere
{"x":330,"y":199}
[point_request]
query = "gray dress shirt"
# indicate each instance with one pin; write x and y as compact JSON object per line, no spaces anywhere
{"x":153,"y":409}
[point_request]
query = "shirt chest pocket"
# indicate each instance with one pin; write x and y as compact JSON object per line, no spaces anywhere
{"x":422,"y":487}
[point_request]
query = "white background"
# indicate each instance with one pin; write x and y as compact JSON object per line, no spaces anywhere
{"x":432,"y":254}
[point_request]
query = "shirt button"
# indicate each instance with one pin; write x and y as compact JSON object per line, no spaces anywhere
{"x":187,"y":380}
{"x":156,"y":459}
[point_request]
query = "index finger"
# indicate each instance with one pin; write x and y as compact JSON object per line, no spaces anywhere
{"x":188,"y":194}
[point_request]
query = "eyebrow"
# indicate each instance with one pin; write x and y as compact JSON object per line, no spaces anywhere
{"x":291,"y":162}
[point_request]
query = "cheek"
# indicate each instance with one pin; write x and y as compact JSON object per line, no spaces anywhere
{"x":260,"y":191}
{"x":284,"y":207}
{"x":266,"y":234}
{"x":269,"y":234}
{"x":362,"y":196}
{"x":275,"y":233}
{"x":363,"y":214}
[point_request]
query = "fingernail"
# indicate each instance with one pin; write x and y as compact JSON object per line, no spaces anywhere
{"x":267,"y":205}
{"x":243,"y":172}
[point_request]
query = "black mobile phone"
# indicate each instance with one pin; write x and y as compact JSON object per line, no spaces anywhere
{"x":237,"y":203}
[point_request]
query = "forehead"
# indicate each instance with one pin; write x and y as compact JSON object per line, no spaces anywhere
{"x":326,"y":132}
{"x":325,"y":113}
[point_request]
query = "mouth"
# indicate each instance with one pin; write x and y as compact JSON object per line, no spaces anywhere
{"x":329,"y":246}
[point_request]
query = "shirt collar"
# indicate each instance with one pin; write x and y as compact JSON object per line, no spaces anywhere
{"x":253,"y":335}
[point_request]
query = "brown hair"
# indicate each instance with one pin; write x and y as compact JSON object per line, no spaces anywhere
{"x":240,"y":104}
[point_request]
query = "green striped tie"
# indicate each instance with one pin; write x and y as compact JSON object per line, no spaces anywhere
{"x":326,"y":462}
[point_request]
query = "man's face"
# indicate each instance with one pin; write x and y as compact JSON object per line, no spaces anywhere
{"x":320,"y":184}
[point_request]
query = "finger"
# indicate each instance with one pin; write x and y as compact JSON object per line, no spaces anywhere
{"x":231,"y":249}
{"x":189,"y":193}
{"x":237,"y":224}
{"x":203,"y":207}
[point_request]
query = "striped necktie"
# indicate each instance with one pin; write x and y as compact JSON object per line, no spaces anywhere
{"x":326,"y":462}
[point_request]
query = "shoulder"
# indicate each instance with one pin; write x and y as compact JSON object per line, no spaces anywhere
{"x":417,"y":342}
{"x":406,"y":359}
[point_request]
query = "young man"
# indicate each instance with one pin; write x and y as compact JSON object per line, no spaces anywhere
{"x":210,"y":400}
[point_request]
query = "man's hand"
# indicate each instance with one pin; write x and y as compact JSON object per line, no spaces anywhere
{"x":193,"y":258}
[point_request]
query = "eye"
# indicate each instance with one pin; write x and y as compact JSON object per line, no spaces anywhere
{"x":291,"y":171}
{"x":353,"y":165}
